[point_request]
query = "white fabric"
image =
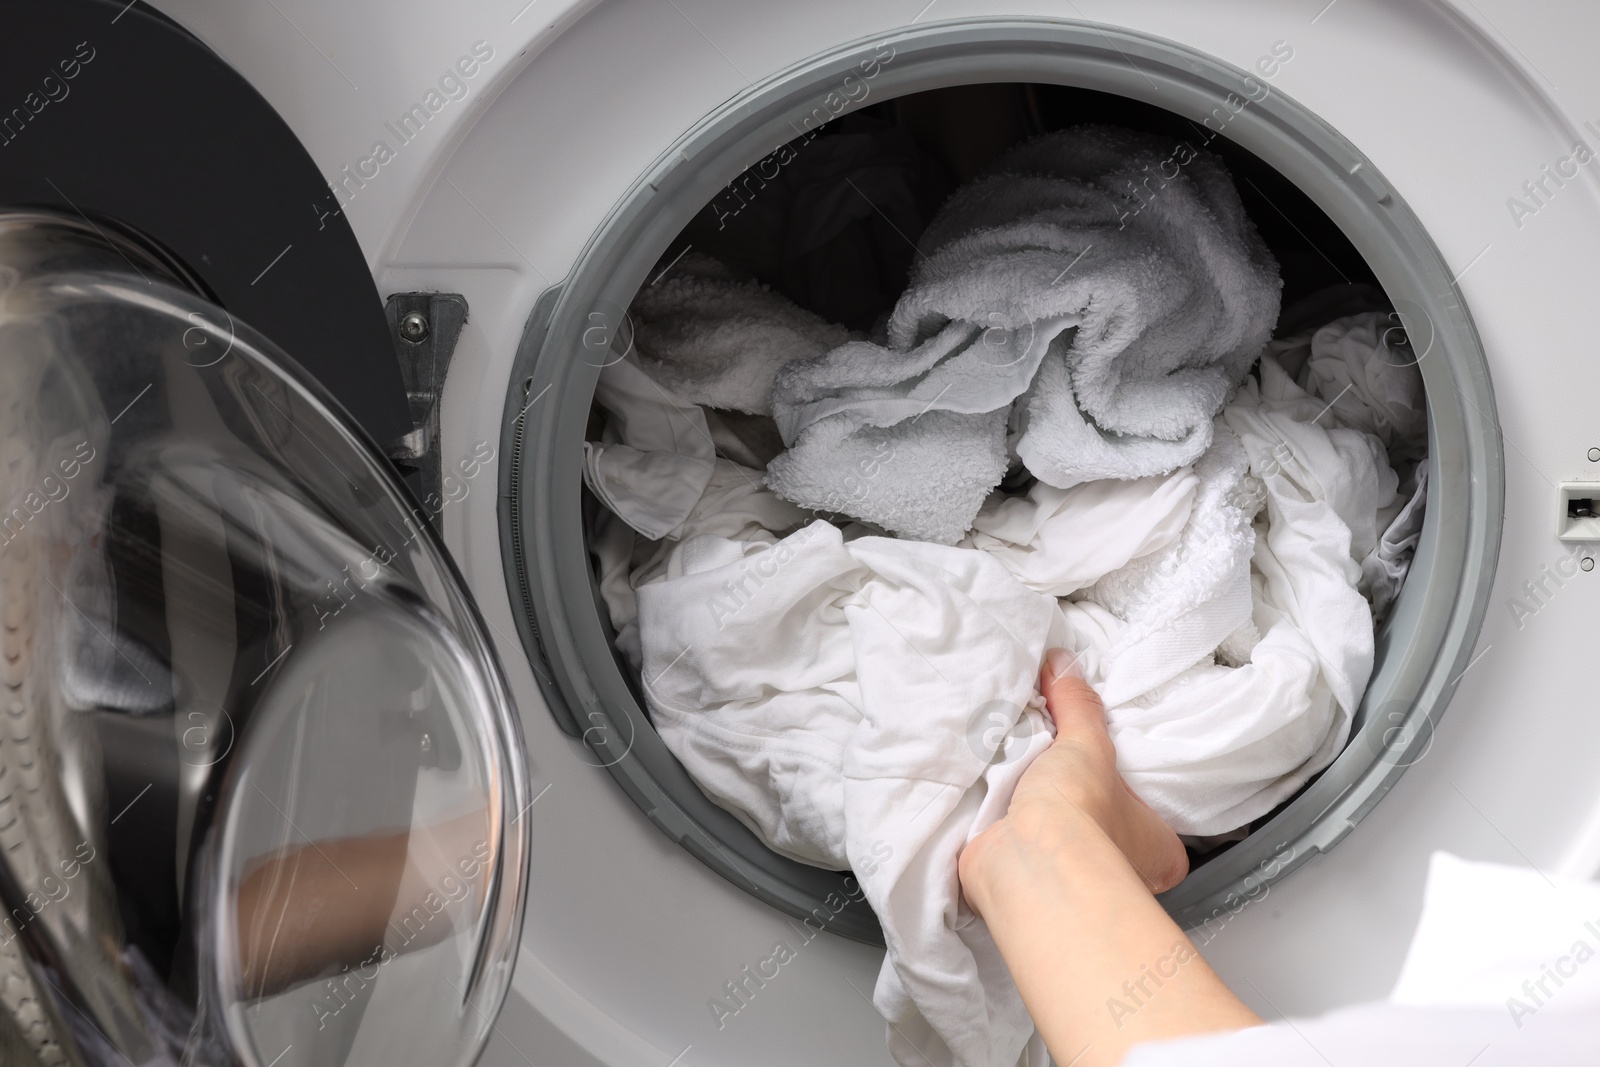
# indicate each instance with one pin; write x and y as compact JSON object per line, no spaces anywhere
{"x":734,"y":505}
{"x":1504,"y":969}
{"x":1114,"y":323}
{"x":719,"y":341}
{"x":1371,"y":382}
{"x":1180,"y":603}
{"x":846,"y":701}
{"x":924,"y":478}
{"x":1211,"y":747}
{"x":1058,"y":541}
{"x":748,"y":440}
{"x":937,"y":413}
{"x":1384,"y":569}
{"x":1324,"y":487}
{"x":655,"y":459}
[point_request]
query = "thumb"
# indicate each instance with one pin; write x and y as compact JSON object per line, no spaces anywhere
{"x":1069,"y":698}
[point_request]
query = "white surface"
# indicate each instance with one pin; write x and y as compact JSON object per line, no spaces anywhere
{"x":1542,"y":926}
{"x":1518,"y":988}
{"x":1450,"y":111}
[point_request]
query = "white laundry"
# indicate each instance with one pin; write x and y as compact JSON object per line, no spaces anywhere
{"x":1360,"y":366}
{"x":734,"y":505}
{"x":844,"y":695}
{"x":1058,"y":541}
{"x":1107,"y":329}
{"x":1384,"y":569}
{"x":924,"y":478}
{"x":1213,"y":737}
{"x":1324,"y":488}
{"x":847,"y":699}
{"x":937,"y":413}
{"x":720,"y":341}
{"x":748,"y":440}
{"x":655,"y":459}
{"x":1370,"y":377}
{"x":1183,"y":601}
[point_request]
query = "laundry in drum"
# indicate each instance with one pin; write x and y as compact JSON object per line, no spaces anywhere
{"x":835,"y":553}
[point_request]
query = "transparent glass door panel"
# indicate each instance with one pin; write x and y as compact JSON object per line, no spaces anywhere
{"x":260,"y":778}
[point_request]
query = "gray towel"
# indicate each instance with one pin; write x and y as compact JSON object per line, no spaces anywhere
{"x":1095,"y":296}
{"x":719,"y":341}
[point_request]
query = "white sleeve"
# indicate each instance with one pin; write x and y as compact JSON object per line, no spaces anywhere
{"x":1502,"y":970}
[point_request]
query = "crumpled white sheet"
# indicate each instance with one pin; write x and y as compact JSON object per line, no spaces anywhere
{"x":734,"y":505}
{"x":1373,"y":381}
{"x":1370,"y":375}
{"x":655,"y":458}
{"x":1384,"y":569}
{"x":1184,"y":601}
{"x":1216,"y":746}
{"x":840,"y":697}
{"x":1058,"y":541}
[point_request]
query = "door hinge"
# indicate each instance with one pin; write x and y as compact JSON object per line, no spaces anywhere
{"x":424,"y":328}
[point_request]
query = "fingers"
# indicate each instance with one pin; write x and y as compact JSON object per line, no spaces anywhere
{"x":1149,"y":843}
{"x":1152,"y":847}
{"x":1069,"y":698}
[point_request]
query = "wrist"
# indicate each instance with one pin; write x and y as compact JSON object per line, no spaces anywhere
{"x":1032,"y":854}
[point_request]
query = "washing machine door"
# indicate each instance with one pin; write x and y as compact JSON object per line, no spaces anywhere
{"x":260,"y":776}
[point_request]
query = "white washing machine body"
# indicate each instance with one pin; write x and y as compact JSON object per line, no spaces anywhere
{"x":1467,"y":111}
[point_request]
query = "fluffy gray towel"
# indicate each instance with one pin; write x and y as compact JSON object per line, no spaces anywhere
{"x":1097,"y":295}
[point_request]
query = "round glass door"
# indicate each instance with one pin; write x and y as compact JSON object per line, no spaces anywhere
{"x":260,"y":777}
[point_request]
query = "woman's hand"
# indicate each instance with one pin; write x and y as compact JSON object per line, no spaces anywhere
{"x":1074,"y":789}
{"x":1065,"y":884}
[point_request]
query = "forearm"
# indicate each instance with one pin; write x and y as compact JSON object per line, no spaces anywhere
{"x":1100,"y":965}
{"x":330,"y":902}
{"x":315,"y":905}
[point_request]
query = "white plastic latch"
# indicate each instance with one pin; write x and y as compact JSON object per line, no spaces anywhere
{"x":1578,"y":511}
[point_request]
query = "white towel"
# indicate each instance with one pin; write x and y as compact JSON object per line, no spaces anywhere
{"x":1111,"y":280}
{"x":719,"y":341}
{"x":938,"y":413}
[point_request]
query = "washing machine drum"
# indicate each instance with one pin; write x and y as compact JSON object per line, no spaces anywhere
{"x":1323,"y":208}
{"x":259,"y":771}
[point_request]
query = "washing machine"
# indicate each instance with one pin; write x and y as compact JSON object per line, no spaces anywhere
{"x":313,"y":300}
